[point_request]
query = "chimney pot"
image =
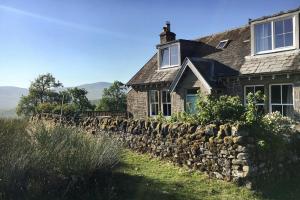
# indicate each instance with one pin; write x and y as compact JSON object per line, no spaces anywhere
{"x":167,"y":35}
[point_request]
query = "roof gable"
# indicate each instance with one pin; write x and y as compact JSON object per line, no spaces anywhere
{"x":188,"y":64}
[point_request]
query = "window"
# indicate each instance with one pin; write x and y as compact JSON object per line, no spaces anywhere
{"x":284,"y":33}
{"x":274,"y":35}
{"x":153,"y":102}
{"x":166,"y":103}
{"x":253,"y":89}
{"x":263,"y":37}
{"x":169,"y":56}
{"x":282,"y":99}
{"x":222,"y":44}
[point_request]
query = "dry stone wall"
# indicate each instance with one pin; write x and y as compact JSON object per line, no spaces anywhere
{"x":224,"y":152}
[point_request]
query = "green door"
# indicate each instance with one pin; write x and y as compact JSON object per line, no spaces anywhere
{"x":191,"y":100}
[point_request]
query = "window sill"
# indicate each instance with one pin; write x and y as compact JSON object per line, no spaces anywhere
{"x":275,"y":50}
{"x":169,"y":67}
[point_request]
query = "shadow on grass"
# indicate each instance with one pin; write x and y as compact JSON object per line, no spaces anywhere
{"x":281,"y":188}
{"x":128,"y":187}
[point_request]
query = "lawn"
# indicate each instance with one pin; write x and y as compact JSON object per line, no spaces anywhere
{"x":140,"y":176}
{"x":143,"y":177}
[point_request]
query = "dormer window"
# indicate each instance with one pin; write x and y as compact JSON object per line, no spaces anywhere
{"x":274,"y":35}
{"x":222,"y":44}
{"x":169,"y":56}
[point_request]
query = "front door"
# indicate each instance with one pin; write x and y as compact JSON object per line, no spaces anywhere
{"x":191,"y":100}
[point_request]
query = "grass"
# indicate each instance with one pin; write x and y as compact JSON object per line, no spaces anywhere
{"x":54,"y":162}
{"x":140,"y":176}
{"x":149,"y":178}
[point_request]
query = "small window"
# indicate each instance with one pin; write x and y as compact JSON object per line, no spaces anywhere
{"x":169,"y":56}
{"x":153,"y":102}
{"x":222,"y":44}
{"x":166,"y":103}
{"x":253,"y":89}
{"x":282,"y":99}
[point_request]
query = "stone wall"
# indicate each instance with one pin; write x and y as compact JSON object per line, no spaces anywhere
{"x":224,"y":152}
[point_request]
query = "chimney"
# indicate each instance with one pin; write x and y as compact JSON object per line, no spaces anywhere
{"x":167,"y":35}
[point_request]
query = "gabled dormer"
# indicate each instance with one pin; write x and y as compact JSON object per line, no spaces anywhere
{"x":275,"y":33}
{"x":168,"y":49}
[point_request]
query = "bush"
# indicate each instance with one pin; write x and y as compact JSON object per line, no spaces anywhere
{"x":38,"y":162}
{"x":277,"y":124}
{"x":223,"y":109}
{"x":45,"y":107}
{"x":67,"y":109}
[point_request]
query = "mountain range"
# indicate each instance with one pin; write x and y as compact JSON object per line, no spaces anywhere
{"x":10,"y":96}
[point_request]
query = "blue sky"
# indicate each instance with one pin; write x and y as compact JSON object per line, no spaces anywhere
{"x":86,"y":41}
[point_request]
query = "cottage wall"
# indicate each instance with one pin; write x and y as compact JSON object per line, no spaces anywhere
{"x":137,"y":103}
{"x":236,"y":87}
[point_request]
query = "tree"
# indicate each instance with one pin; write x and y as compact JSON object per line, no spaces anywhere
{"x":113,"y":98}
{"x":26,"y":106}
{"x":79,"y":99}
{"x":42,"y":88}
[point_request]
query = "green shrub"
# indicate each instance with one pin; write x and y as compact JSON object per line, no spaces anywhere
{"x":219,"y":109}
{"x":38,"y":162}
{"x":67,"y":109}
{"x":252,"y":114}
{"x":45,"y":107}
{"x":277,"y":124}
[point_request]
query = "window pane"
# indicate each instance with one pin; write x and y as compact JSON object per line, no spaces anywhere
{"x":267,"y":29}
{"x":267,"y":43}
{"x":263,"y":40}
{"x":168,"y":97}
{"x":262,"y":90}
{"x":153,"y":96}
{"x":169,"y":110}
{"x":288,"y":39}
{"x":154,"y":109}
{"x":288,"y":111}
{"x":287,"y":94}
{"x":165,"y":109}
{"x":164,"y":97}
{"x":275,"y":94}
{"x":288,"y":25}
{"x":248,"y":90}
{"x":278,"y":27}
{"x":279,"y":41}
{"x":165,"y":57}
{"x":277,"y":108}
{"x":174,"y":55}
{"x":260,"y":109}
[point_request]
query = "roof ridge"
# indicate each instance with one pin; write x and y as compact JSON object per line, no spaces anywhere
{"x":221,"y":32}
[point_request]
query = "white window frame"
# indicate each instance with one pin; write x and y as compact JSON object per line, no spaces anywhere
{"x":160,"y":56}
{"x":295,"y":18}
{"x":245,"y":95}
{"x":281,"y":104}
{"x":153,"y":103}
{"x":168,"y":103}
{"x":225,"y":45}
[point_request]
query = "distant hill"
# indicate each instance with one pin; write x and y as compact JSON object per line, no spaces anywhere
{"x":10,"y":96}
{"x":95,"y":90}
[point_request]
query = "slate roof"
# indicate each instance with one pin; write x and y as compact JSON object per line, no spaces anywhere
{"x":287,"y":61}
{"x":233,"y":60}
{"x":232,"y":56}
{"x":149,"y":73}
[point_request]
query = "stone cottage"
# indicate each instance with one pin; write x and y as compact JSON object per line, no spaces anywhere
{"x":263,"y":55}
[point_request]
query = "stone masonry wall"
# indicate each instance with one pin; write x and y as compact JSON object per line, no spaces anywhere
{"x":224,"y":152}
